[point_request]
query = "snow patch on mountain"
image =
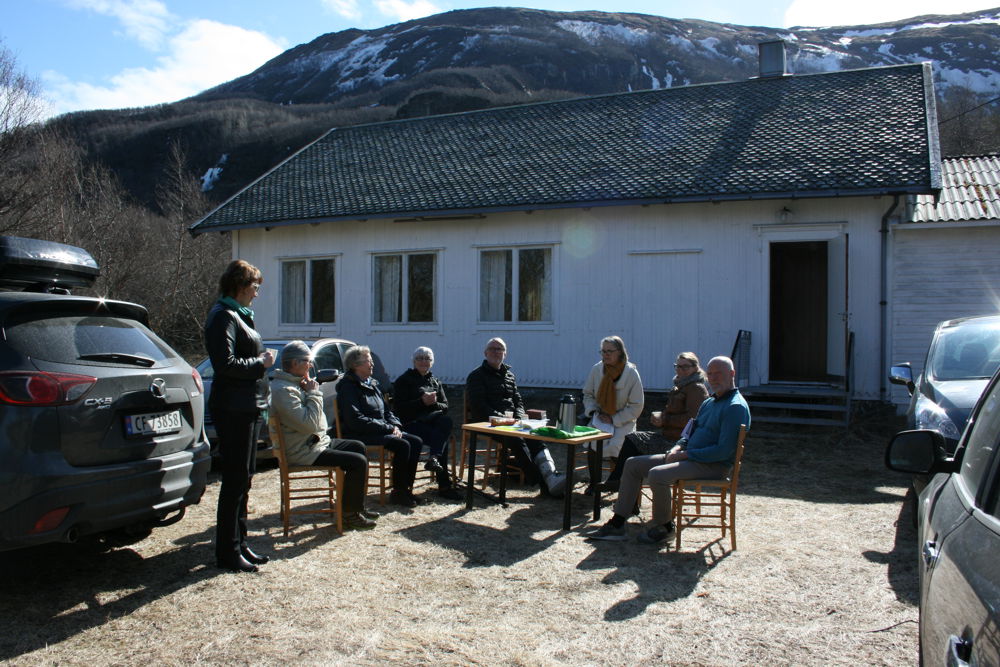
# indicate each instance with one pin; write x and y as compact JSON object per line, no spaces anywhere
{"x":595,"y":33}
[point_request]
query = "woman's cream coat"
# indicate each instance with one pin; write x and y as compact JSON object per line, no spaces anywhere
{"x":629,"y":401}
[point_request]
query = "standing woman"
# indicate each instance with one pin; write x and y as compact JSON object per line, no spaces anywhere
{"x":364,"y":416}
{"x":612,"y":395}
{"x":238,"y":400}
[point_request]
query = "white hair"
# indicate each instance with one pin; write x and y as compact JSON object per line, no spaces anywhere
{"x":422,"y":351}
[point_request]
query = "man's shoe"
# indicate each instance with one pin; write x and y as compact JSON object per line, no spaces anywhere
{"x":656,"y":534}
{"x":370,"y":514}
{"x":355,"y":521}
{"x":432,"y":464}
{"x":416,"y":500}
{"x":449,"y":493}
{"x":251,"y":557}
{"x":238,"y":564}
{"x":609,"y":533}
{"x":402,"y":498}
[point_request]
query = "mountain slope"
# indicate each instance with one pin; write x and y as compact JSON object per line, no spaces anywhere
{"x":473,"y":59}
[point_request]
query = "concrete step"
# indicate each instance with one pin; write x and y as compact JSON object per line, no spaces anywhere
{"x":825,"y":407}
{"x":809,"y":421}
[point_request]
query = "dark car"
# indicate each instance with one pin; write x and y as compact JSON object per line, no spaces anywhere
{"x":962,"y":356}
{"x":328,"y":355}
{"x":958,"y":528}
{"x":101,"y":421}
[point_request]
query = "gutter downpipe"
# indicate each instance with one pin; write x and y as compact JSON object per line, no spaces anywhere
{"x":883,"y":298}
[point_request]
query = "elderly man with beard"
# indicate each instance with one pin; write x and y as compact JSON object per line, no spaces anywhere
{"x":706,"y":454}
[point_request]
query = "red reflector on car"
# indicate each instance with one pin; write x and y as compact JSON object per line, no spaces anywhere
{"x":197,"y":380}
{"x":50,"y":520}
{"x":42,"y":389}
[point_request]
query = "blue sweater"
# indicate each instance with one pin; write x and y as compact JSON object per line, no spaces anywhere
{"x":717,"y":428}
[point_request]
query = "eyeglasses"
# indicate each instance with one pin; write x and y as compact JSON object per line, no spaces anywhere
{"x":495,"y":348}
{"x":256,"y":287}
{"x":679,"y":366}
{"x":611,"y":351}
{"x":423,"y":358}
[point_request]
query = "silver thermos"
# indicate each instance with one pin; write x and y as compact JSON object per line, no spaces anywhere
{"x":567,"y":413}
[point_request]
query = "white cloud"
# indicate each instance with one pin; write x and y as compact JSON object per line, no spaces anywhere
{"x":203,"y":54}
{"x":809,"y":13}
{"x":146,"y":21}
{"x":347,"y":8}
{"x":406,"y":11}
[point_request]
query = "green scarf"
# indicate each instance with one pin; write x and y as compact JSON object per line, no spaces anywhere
{"x":232,"y":304}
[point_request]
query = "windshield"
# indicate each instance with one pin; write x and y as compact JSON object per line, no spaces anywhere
{"x":965,"y":352}
{"x":96,"y":339}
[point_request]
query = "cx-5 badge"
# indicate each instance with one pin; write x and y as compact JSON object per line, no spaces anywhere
{"x":158,"y":388}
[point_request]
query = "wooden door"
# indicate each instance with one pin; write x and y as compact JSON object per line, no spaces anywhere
{"x":798,"y":318}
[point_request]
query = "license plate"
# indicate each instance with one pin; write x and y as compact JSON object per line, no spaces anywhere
{"x":154,"y":423}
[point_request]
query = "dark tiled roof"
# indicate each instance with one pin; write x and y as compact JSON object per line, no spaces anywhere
{"x":842,"y":133}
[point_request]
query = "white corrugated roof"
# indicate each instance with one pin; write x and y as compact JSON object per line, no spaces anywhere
{"x":971,"y":191}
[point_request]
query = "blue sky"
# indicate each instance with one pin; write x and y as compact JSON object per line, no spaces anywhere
{"x":90,"y":54}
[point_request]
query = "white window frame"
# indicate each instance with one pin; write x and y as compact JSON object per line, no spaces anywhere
{"x":307,"y":295}
{"x":515,"y":287}
{"x":404,"y":256}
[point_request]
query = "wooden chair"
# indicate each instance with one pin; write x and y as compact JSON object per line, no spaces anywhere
{"x":310,"y":482}
{"x":713,"y":500}
{"x":379,"y":460}
{"x":492,"y":451}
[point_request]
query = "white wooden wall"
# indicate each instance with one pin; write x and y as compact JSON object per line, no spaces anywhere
{"x":941,"y":271}
{"x":667,"y":278}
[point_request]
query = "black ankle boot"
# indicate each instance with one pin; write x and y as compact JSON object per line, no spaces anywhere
{"x":251,"y":557}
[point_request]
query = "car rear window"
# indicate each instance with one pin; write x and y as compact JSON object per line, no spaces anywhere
{"x":86,"y":339}
{"x":965,"y":352}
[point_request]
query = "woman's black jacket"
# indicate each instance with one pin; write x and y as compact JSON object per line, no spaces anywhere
{"x":363,"y":411}
{"x":235,"y":348}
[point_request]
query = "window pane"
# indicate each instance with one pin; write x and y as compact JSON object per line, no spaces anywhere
{"x":293,"y":291}
{"x":321,"y":291}
{"x":495,"y":282}
{"x":388,"y":300}
{"x":421,"y":288}
{"x":534,"y":285}
{"x":981,"y":442}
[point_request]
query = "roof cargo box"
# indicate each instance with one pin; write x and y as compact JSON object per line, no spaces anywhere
{"x":31,"y":264}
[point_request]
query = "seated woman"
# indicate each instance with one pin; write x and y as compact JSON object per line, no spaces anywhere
{"x":298,"y":404}
{"x":683,"y":401}
{"x":422,"y":406}
{"x":612,"y":395}
{"x":365,"y":417}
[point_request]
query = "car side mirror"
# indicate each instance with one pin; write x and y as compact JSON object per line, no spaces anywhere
{"x":902,"y":375}
{"x":327,"y":375}
{"x":918,"y":453}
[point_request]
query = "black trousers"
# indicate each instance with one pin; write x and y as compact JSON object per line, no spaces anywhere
{"x":238,"y":433}
{"x":435,"y":432}
{"x":406,"y":455}
{"x":524,"y":452}
{"x":349,"y":455}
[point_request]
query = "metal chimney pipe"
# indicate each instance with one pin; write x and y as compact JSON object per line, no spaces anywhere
{"x":771,"y":59}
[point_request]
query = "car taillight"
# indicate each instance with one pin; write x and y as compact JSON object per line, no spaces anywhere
{"x":42,"y":389}
{"x":197,"y":380}
{"x":50,"y":520}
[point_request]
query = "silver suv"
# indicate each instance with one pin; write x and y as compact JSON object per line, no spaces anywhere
{"x":100,"y":421}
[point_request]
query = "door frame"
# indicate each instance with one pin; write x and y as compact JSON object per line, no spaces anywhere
{"x":838,"y":311}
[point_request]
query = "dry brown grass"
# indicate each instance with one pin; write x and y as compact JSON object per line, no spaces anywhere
{"x":824,"y":575}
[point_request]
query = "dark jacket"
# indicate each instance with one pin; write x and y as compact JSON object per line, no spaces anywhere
{"x":235,"y":348}
{"x":492,"y":392}
{"x":363,"y":412}
{"x":682,"y":405}
{"x":407,"y":393}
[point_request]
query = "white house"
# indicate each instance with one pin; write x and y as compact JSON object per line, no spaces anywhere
{"x":675,"y":218}
{"x":945,"y":257}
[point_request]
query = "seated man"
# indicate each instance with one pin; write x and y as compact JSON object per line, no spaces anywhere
{"x":707,"y":454}
{"x":298,"y":404}
{"x":491,"y":391}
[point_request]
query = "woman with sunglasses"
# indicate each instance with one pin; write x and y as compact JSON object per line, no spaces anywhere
{"x":683,"y":400}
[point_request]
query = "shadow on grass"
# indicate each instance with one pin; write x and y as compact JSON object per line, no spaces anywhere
{"x":901,"y":562}
{"x":660,"y":577}
{"x":485,"y":546}
{"x":51,"y":593}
